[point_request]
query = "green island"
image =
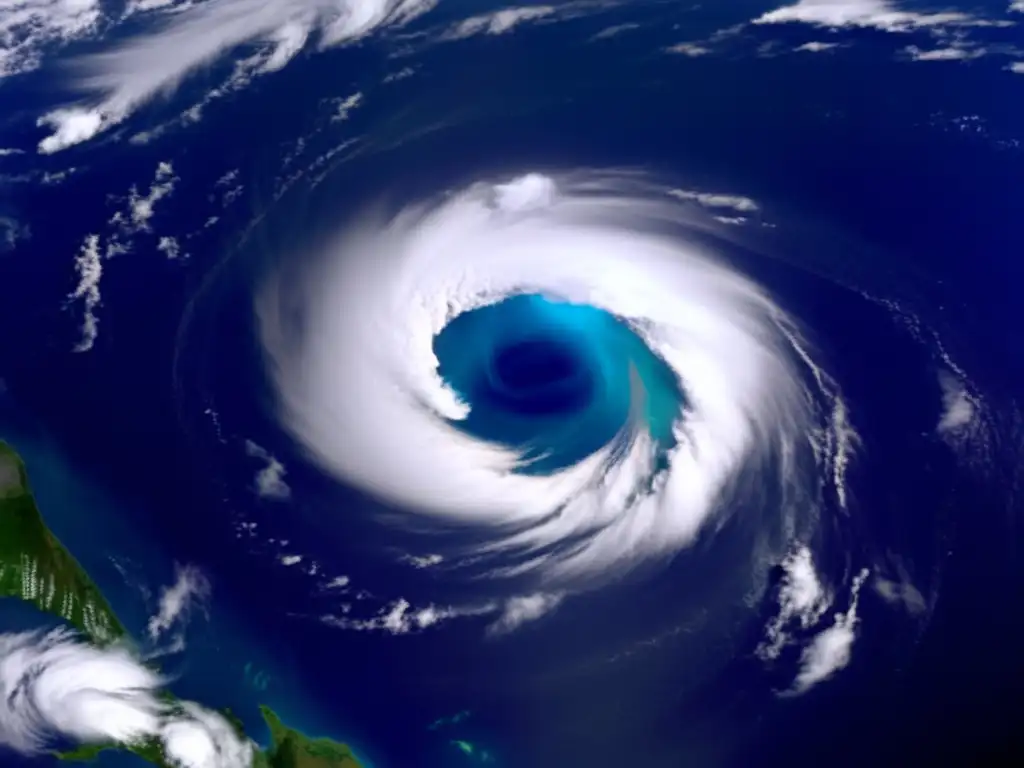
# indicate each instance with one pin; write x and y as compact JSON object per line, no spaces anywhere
{"x":35,"y":567}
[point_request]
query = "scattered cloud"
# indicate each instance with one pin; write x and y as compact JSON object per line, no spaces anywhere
{"x":338,"y":582}
{"x":1017,"y":67}
{"x":735,"y":203}
{"x":499,"y":22}
{"x":692,"y":50}
{"x":876,"y":14}
{"x":6,"y":151}
{"x":290,"y":559}
{"x":802,"y":599}
{"x":30,"y":27}
{"x":55,"y":685}
{"x":425,"y":561}
{"x":396,"y":618}
{"x":119,"y":80}
{"x":815,"y":47}
{"x":345,"y":106}
{"x":831,"y":649}
{"x":401,"y":74}
{"x":89,"y":267}
{"x":270,"y":482}
{"x":169,"y":246}
{"x":139,"y":214}
{"x":519,"y":610}
{"x":952,"y":53}
{"x":1017,"y":6}
{"x":190,"y":589}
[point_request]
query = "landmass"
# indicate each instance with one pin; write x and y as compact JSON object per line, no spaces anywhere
{"x":37,"y":568}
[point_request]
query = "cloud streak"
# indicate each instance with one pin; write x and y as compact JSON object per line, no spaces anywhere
{"x":119,"y":80}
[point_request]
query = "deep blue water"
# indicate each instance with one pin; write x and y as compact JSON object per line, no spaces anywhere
{"x":871,"y":191}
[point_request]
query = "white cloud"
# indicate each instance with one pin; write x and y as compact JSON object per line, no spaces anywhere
{"x":338,"y":582}
{"x":689,"y":49}
{"x":519,"y":610}
{"x":878,"y":14}
{"x":802,"y":598}
{"x":291,"y":559}
{"x":4,"y":152}
{"x":708,"y":200}
{"x":1017,"y":5}
{"x":28,"y":27}
{"x":815,"y":47}
{"x":270,"y":482}
{"x":898,"y":589}
{"x":89,"y":267}
{"x":943,"y":54}
{"x":190,"y":588}
{"x":831,"y":649}
{"x":499,"y":22}
{"x":345,"y":106}
{"x":141,"y":207}
{"x":119,"y":80}
{"x":396,"y":618}
{"x":56,"y":685}
{"x":958,"y":408}
{"x":614,"y":31}
{"x":425,"y":561}
{"x":169,"y":246}
{"x":1017,"y":67}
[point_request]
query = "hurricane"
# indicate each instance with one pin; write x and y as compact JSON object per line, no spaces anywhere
{"x":562,"y":366}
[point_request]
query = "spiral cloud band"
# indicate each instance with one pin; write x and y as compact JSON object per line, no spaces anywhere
{"x":704,"y":376}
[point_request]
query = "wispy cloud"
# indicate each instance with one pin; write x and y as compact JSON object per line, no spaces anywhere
{"x":815,"y":47}
{"x":422,"y":561}
{"x":692,"y":50}
{"x":877,"y":14}
{"x":499,"y":22}
{"x":269,"y":482}
{"x":952,"y":53}
{"x":736,"y":203}
{"x":119,"y":80}
{"x":57,"y":685}
{"x":190,"y":589}
{"x":518,"y":610}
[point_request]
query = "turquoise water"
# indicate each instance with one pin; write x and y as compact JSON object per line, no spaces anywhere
{"x":554,"y":380}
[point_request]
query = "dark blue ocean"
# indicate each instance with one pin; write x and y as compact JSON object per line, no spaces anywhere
{"x":875,"y":188}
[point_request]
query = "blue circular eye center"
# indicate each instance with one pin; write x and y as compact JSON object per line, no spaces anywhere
{"x":540,"y":375}
{"x":553,"y":380}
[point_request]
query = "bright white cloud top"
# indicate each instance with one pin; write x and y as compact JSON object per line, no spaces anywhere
{"x":56,"y":685}
{"x":361,"y":390}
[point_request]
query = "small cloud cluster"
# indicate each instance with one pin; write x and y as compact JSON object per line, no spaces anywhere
{"x":189,"y":590}
{"x":123,"y":226}
{"x":55,"y":685}
{"x":803,"y":601}
{"x":422,"y":561}
{"x":875,"y":14}
{"x":345,"y":106}
{"x":958,"y":407}
{"x":269,"y":482}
